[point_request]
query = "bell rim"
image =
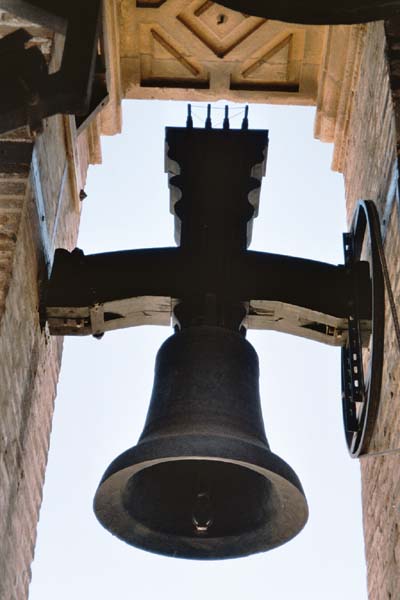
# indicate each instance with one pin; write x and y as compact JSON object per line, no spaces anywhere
{"x":111,"y":513}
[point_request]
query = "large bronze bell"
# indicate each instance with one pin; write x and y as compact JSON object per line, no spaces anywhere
{"x":314,"y":12}
{"x":202,"y":481}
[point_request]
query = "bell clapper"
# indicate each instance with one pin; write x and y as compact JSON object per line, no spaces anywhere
{"x":202,"y":513}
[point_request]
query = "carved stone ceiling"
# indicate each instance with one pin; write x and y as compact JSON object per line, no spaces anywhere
{"x":196,"y":49}
{"x":199,"y":50}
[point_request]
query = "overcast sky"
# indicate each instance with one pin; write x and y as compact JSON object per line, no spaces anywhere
{"x":105,"y":385}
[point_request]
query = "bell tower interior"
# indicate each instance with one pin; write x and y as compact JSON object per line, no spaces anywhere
{"x":197,"y":52}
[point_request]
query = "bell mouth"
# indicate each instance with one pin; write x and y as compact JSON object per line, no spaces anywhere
{"x":198,"y":497}
{"x":201,"y":507}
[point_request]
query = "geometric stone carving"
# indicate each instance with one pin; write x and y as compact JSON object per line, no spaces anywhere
{"x":275,"y":66}
{"x":220,"y":29}
{"x":199,"y":50}
{"x":163,"y":61}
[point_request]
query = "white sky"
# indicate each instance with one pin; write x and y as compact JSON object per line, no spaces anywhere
{"x":105,"y":386}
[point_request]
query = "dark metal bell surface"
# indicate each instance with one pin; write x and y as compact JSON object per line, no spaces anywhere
{"x":317,"y":12}
{"x":202,"y":482}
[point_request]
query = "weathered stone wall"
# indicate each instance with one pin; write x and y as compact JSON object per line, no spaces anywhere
{"x":39,"y":209}
{"x":40,"y":183}
{"x":370,"y":171}
{"x":30,"y":226}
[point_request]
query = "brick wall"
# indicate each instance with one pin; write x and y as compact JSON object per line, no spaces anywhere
{"x":30,"y":227}
{"x":370,"y":171}
{"x":40,"y":181}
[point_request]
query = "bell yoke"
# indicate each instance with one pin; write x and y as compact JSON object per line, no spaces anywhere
{"x":215,"y":179}
{"x":202,"y":481}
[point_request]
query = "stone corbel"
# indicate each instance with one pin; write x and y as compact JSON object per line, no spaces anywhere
{"x":110,"y":117}
{"x":338,"y":77}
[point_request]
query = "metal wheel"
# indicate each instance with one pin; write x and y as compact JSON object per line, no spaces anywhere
{"x":362,"y":367}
